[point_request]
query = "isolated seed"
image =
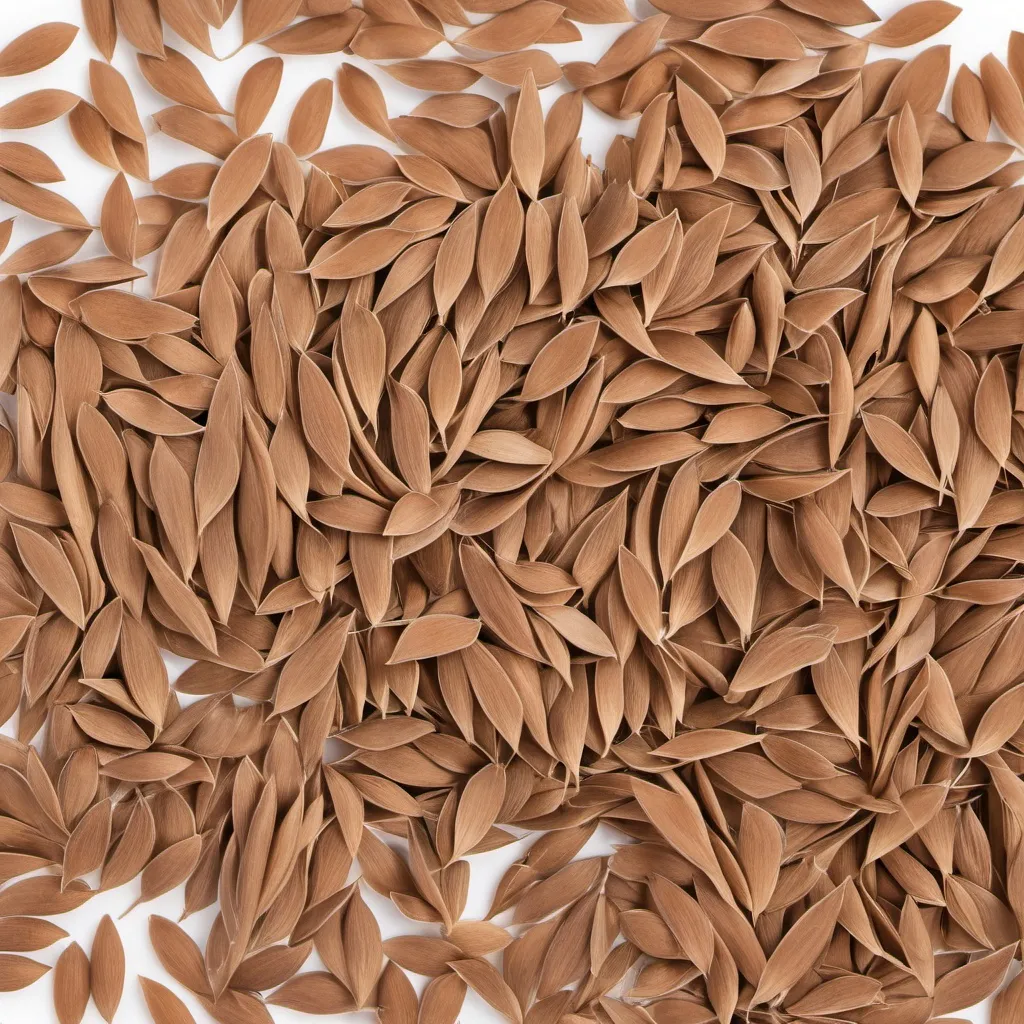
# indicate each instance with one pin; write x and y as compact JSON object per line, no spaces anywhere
{"x":106,"y":969}
{"x":71,"y":985}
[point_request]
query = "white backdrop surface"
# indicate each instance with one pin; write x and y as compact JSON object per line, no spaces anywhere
{"x":983,"y":27}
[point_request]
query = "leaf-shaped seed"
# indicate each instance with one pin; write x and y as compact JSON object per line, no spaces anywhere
{"x":800,"y":947}
{"x":48,"y":564}
{"x":500,"y":237}
{"x":526,"y":145}
{"x":179,"y":955}
{"x":432,"y":635}
{"x":71,"y":985}
{"x":363,"y":97}
{"x":220,"y":454}
{"x":702,"y":126}
{"x":36,"y":48}
{"x":87,"y":847}
{"x":120,"y":314}
{"x":256,"y":93}
{"x":489,"y":985}
{"x":106,"y":969}
{"x":478,"y":809}
{"x":237,"y":179}
{"x":775,"y":655}
{"x":177,"y":78}
{"x":164,"y":1006}
{"x":312,"y":666}
{"x":364,"y":951}
{"x":687,"y":922}
{"x":309,"y":119}
{"x":113,"y":98}
{"x":677,"y":817}
{"x":914,"y":23}
{"x":27,"y":934}
{"x":899,"y":449}
{"x":562,"y":360}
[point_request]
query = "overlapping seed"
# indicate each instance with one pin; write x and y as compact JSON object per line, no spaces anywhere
{"x":681,"y":495}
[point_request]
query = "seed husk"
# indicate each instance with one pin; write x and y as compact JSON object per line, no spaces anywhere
{"x":71,"y":985}
{"x":106,"y":969}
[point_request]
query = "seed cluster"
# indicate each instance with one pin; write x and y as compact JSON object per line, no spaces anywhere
{"x":683,"y":496}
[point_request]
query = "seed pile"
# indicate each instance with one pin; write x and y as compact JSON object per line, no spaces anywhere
{"x":684,"y":496}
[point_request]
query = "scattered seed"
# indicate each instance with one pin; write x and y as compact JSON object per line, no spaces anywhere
{"x":681,"y":495}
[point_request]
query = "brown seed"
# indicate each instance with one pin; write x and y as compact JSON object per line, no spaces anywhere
{"x":164,"y":1006}
{"x":315,"y":992}
{"x":915,"y":22}
{"x":140,"y":23}
{"x":526,"y":145}
{"x":18,"y":972}
{"x":970,"y":106}
{"x":39,"y":202}
{"x":87,"y":848}
{"x":364,"y":99}
{"x":25,"y":935}
{"x":801,"y":946}
{"x":309,"y":119}
{"x":36,"y":108}
{"x":112,"y":96}
{"x":101,"y":25}
{"x":45,"y":251}
{"x":702,"y":126}
{"x":1004,"y":97}
{"x":237,"y":180}
{"x":36,"y":48}
{"x":71,"y":985}
{"x":480,"y":976}
{"x":177,"y":78}
{"x":130,"y":317}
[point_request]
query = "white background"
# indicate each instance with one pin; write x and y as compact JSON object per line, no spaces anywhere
{"x":984,"y":26}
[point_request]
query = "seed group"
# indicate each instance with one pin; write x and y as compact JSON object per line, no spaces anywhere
{"x":683,"y":495}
